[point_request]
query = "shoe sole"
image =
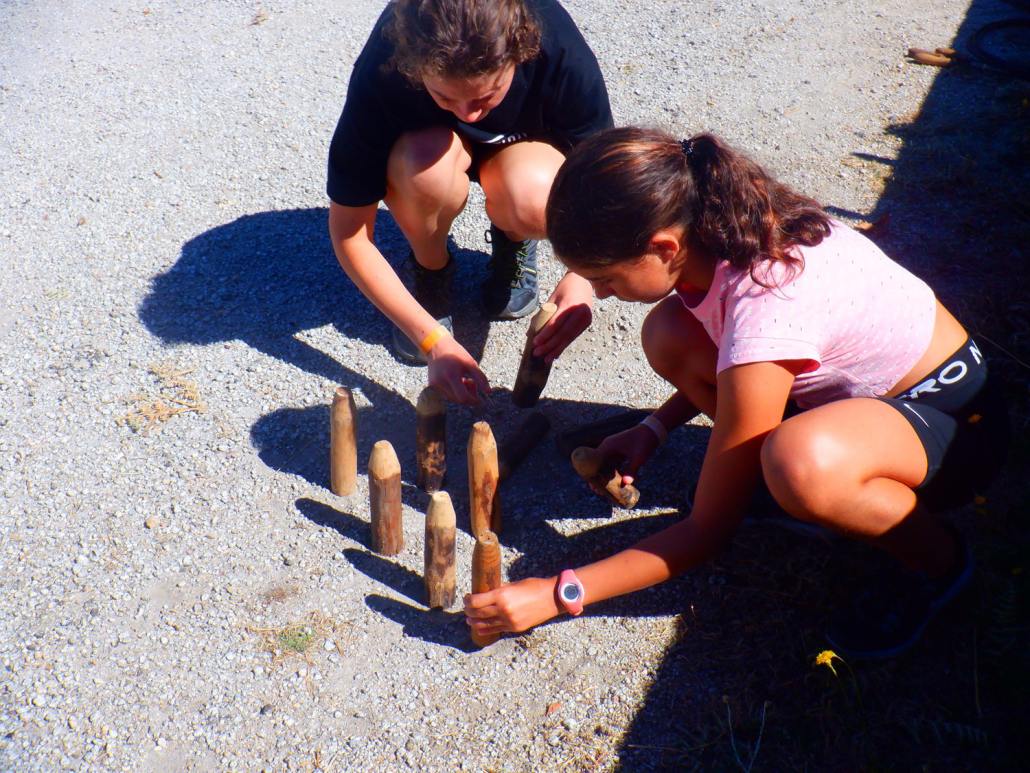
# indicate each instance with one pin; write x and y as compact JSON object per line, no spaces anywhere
{"x":525,"y":311}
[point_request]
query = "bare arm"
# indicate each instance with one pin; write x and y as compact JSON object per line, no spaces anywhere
{"x":351,"y":230}
{"x":452,"y":369}
{"x":751,"y":401}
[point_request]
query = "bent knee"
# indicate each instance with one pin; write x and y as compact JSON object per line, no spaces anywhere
{"x":426,"y":161}
{"x":803,"y":468}
{"x":673,"y":339}
{"x":518,"y":203}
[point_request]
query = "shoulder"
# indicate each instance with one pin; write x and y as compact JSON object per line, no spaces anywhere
{"x":558,"y":31}
{"x":378,"y":49}
{"x":842,"y":241}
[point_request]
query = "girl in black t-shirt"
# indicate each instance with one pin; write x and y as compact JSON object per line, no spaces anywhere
{"x":444,"y":93}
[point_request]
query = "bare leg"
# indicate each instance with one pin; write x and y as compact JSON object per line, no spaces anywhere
{"x":517,"y":180}
{"x":680,"y":351}
{"x":427,"y":185}
{"x":851,"y":466}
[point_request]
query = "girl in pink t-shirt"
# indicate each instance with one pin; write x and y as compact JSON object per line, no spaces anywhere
{"x":764,"y":303}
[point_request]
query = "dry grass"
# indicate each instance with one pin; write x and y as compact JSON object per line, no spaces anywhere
{"x":175,"y":395}
{"x":279,"y":593}
{"x":299,"y":639}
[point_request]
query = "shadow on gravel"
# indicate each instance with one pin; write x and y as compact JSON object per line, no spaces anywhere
{"x":738,"y":687}
{"x":266,"y":277}
{"x":344,"y":524}
{"x":435,"y":626}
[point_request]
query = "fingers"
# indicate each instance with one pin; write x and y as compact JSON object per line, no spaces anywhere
{"x":488,"y":627}
{"x":482,"y":614}
{"x":477,"y":601}
{"x":561,"y":331}
{"x":479,"y":381}
{"x":454,"y":389}
{"x":458,"y":381}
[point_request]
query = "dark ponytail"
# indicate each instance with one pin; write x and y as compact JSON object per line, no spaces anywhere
{"x":621,"y":186}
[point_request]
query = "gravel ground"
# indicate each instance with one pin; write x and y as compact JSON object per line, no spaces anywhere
{"x":162,"y":232}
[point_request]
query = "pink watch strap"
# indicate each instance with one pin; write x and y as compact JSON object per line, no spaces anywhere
{"x":570,"y":592}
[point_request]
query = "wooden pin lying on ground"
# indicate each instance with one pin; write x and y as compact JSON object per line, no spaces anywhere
{"x":431,"y":440}
{"x":517,"y":446}
{"x":486,"y":575}
{"x":439,"y":561}
{"x":603,"y":478}
{"x":533,"y":371}
{"x":593,"y":433}
{"x":484,"y":503}
{"x":343,"y":447}
{"x":384,"y":492}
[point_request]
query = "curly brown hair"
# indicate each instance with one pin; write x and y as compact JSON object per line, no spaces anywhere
{"x":621,"y":186}
{"x":460,"y":38}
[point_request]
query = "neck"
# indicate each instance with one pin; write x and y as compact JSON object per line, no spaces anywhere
{"x":698,"y":269}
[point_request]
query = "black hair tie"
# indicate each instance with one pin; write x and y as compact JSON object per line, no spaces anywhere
{"x":687,"y":146}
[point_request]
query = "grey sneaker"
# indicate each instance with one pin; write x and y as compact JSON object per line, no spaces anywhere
{"x":432,"y":289}
{"x":510,"y":290}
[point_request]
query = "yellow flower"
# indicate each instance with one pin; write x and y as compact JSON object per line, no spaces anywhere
{"x":825,"y":658}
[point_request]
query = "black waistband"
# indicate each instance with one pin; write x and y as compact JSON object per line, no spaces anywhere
{"x":952,"y":385}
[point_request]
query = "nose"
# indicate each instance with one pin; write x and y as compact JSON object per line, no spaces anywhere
{"x":469,"y":114}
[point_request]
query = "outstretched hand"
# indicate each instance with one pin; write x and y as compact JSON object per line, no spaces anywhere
{"x":629,"y":450}
{"x":455,"y":374}
{"x":514,"y":607}
{"x":574,"y":298}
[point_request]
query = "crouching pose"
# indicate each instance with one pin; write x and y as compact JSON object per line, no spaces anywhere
{"x":833,"y":376}
{"x":446,"y":92}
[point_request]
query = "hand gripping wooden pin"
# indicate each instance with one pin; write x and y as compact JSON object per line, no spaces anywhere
{"x":603,"y":478}
{"x":533,"y":371}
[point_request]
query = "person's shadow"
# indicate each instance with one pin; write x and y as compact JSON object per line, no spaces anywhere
{"x":266,"y":277}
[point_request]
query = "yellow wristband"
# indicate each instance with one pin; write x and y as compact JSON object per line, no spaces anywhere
{"x":430,"y":340}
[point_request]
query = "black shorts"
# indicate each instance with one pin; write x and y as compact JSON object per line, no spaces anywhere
{"x":960,"y":416}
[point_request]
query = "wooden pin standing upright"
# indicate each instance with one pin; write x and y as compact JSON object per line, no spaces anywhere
{"x":439,"y":561}
{"x":486,"y":575}
{"x":384,"y":492}
{"x":431,"y":440}
{"x":603,"y":478}
{"x":533,"y":371}
{"x":484,"y":502}
{"x":343,"y":447}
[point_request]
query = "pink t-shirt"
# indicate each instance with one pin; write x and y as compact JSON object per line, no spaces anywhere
{"x":859,"y":319}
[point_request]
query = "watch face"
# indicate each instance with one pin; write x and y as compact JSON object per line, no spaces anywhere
{"x":569,"y":592}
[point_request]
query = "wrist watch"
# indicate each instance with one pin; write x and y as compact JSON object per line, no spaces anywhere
{"x":570,"y":593}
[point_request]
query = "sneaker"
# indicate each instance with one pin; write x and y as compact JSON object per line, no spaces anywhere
{"x":432,"y":289}
{"x":510,"y":290}
{"x":887,"y":619}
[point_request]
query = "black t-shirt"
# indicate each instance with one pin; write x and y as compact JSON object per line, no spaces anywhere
{"x":559,"y":97}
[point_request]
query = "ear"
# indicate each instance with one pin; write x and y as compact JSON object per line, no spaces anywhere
{"x":666,"y":244}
